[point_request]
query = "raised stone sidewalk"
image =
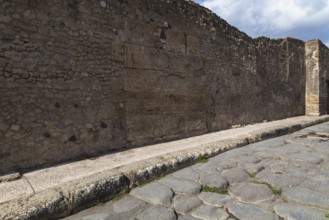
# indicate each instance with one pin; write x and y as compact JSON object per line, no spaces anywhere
{"x":286,"y":177}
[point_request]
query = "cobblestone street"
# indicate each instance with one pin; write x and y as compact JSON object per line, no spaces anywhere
{"x":281,"y":178}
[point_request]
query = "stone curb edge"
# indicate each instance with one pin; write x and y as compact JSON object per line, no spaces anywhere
{"x":80,"y":194}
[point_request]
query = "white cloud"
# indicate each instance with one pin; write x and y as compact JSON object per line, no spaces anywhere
{"x":302,"y":19}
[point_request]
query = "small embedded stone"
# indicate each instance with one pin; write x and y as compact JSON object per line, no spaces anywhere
{"x":103,"y":125}
{"x":3,"y":126}
{"x":46,"y":135}
{"x":57,"y":105}
{"x":61,"y":24}
{"x":163,"y":35}
{"x":72,"y":138}
{"x":89,"y":126}
{"x":103,"y":4}
{"x":15,"y":127}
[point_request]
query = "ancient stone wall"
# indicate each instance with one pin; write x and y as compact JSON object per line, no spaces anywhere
{"x":81,"y":78}
{"x":312,"y":77}
{"x":324,"y":78}
{"x":317,"y":76}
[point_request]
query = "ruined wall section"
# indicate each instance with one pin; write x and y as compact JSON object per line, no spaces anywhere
{"x":295,"y":78}
{"x":312,"y":78}
{"x":169,"y":52}
{"x":317,"y":78}
{"x":324,"y":78}
{"x":61,"y":81}
{"x":80,"y":78}
{"x":280,"y":77}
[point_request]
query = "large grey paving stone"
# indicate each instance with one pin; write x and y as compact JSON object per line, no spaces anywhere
{"x":235,"y":175}
{"x":205,"y":167}
{"x":181,"y":185}
{"x":127,"y":204}
{"x":187,"y":173}
{"x":97,"y":216}
{"x":249,"y":159}
{"x":304,"y":157}
{"x":154,"y":193}
{"x":222,"y":163}
{"x":321,"y":184}
{"x":298,"y":212}
{"x":213,"y":180}
{"x":292,"y":149}
{"x":318,"y":173}
{"x":284,"y":167}
{"x":325,"y":164}
{"x":303,"y":140}
{"x":198,"y":167}
{"x":279,"y":180}
{"x":214,"y":199}
{"x":187,"y":217}
{"x":262,"y":154}
{"x":322,"y":148}
{"x":278,"y":166}
{"x":157,"y":212}
{"x":235,"y":153}
{"x":250,"y":212}
{"x":105,"y":211}
{"x":252,"y":167}
{"x":267,"y":144}
{"x":210,"y":213}
{"x":251,"y":192}
{"x":307,"y":197}
{"x":185,"y":203}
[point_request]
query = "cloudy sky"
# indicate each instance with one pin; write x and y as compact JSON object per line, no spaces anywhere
{"x":303,"y":19}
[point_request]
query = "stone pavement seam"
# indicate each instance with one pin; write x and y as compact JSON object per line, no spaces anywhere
{"x":74,"y":195}
{"x":28,"y":182}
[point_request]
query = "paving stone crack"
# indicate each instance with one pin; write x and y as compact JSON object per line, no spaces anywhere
{"x":28,"y":182}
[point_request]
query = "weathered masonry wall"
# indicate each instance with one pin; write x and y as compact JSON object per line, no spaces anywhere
{"x":324,"y":78}
{"x":312,"y":78}
{"x":317,"y":78}
{"x":81,"y":78}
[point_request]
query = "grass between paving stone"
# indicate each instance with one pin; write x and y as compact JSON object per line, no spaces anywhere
{"x":327,"y":215}
{"x":276,"y":191}
{"x":252,"y":175}
{"x":205,"y":188}
{"x":202,"y":159}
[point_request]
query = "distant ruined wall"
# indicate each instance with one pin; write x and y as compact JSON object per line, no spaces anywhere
{"x":81,"y":78}
{"x":324,"y":78}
